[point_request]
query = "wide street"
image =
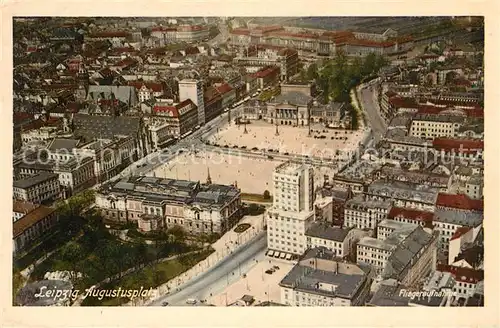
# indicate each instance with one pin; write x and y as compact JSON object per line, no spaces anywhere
{"x":214,"y":280}
{"x":370,"y":106}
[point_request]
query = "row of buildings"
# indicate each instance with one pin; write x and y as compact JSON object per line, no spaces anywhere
{"x":381,"y":240}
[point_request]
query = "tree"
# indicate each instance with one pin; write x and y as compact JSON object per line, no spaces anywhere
{"x":369,"y":64}
{"x":178,"y":232}
{"x":312,"y":72}
{"x":71,"y":256}
{"x":266,"y":194}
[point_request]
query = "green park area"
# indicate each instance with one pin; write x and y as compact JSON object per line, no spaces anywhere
{"x":82,"y":243}
{"x":336,"y":77}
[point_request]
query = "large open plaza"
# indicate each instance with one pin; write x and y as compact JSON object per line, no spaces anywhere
{"x":252,"y":175}
{"x":289,"y":139}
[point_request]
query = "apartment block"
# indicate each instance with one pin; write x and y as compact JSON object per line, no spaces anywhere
{"x":38,"y":188}
{"x":362,"y":213}
{"x":322,"y":279}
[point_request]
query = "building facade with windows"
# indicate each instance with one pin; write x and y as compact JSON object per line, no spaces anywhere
{"x":38,"y":188}
{"x":156,"y":203}
{"x":321,"y":279}
{"x":363,"y":213}
{"x":292,"y":212}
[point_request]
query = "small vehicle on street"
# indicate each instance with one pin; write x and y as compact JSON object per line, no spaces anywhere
{"x":164,"y":304}
{"x":191,"y":301}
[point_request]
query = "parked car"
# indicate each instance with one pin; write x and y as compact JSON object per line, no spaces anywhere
{"x":269,"y":271}
{"x":164,"y":304}
{"x":191,"y":301}
{"x":276,"y":267}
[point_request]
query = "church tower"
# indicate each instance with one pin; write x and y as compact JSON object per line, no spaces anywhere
{"x":83,"y":83}
{"x":209,"y":179}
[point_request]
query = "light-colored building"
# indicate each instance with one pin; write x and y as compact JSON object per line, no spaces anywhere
{"x":286,"y":59}
{"x":180,"y":118}
{"x":44,"y":133}
{"x":363,"y":213}
{"x":414,"y":258}
{"x":38,"y":188}
{"x":291,"y":108}
{"x":292,"y":212}
{"x":190,"y":33}
{"x":404,"y":194}
{"x":464,"y":237}
{"x":340,"y":241}
{"x":386,"y":227}
{"x":21,"y":208}
{"x":161,"y":133}
{"x":110,"y":156}
{"x":321,"y":279}
{"x":474,"y":187}
{"x":164,"y":203}
{"x":75,"y":170}
{"x":193,"y":89}
{"x":428,"y":126}
{"x":30,"y":227}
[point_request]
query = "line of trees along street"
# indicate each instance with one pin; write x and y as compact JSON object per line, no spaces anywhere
{"x":336,"y":77}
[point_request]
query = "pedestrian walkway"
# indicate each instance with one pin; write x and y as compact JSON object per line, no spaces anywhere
{"x":223,"y":247}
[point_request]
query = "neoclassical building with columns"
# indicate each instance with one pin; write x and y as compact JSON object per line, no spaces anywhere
{"x":156,"y":203}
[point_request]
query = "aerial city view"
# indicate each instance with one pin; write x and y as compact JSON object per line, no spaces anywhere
{"x":248,"y":161}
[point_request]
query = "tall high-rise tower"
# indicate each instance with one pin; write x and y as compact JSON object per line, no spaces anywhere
{"x":193,"y":89}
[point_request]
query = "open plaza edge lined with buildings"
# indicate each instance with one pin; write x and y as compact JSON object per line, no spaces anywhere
{"x":366,"y":183}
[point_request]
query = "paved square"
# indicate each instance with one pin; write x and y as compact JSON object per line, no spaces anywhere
{"x":293,"y":140}
{"x":253,"y":175}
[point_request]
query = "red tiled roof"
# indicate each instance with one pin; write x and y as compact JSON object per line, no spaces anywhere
{"x":241,"y":31}
{"x":415,"y":215}
{"x":400,"y":102}
{"x":224,"y":88}
{"x":166,"y":109}
{"x":266,"y":71}
{"x":19,"y":117}
{"x":459,"y":201}
{"x":460,"y":232}
{"x":31,"y":219}
{"x":210,"y":94}
{"x":174,"y":109}
{"x":475,"y":112}
{"x":156,"y":87}
{"x":106,"y":72}
{"x":20,"y":206}
{"x":459,"y":145}
{"x":462,"y":274}
{"x":369,"y":43}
